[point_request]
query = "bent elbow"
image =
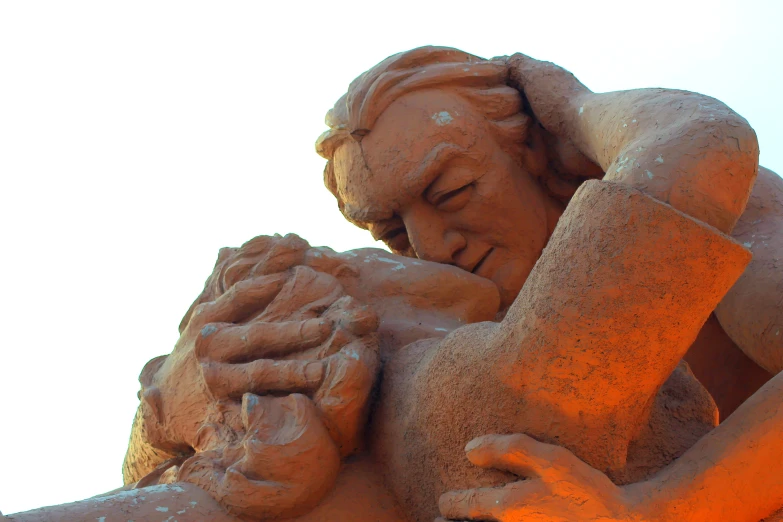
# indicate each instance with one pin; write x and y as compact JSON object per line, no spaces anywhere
{"x":718,"y":166}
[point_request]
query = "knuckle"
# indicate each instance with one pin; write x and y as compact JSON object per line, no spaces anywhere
{"x":507,"y":497}
{"x":553,"y":454}
{"x":236,"y":290}
{"x":518,"y":440}
{"x":562,"y":459}
{"x":199,"y":312}
{"x":208,"y":330}
{"x":204,"y":339}
{"x":473,"y":502}
{"x":504,"y":445}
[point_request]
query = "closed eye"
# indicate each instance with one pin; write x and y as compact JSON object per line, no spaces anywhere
{"x":453,"y":200}
{"x":391,"y":234}
{"x":397,"y":240}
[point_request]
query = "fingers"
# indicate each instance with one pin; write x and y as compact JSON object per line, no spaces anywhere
{"x":284,"y":254}
{"x":240,"y":301}
{"x":206,"y":470}
{"x":324,"y":259}
{"x":306,"y":294}
{"x":489,"y":503}
{"x":262,"y":376}
{"x":343,"y":398}
{"x":281,"y":431}
{"x":528,"y":72}
{"x":520,"y":455}
{"x":264,"y":255}
{"x":260,"y":340}
{"x":262,"y":476}
{"x":551,"y":91}
{"x":356,"y":319}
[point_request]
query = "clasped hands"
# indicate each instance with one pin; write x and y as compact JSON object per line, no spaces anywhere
{"x":268,"y":385}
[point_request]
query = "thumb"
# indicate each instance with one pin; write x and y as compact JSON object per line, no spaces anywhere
{"x":518,"y":454}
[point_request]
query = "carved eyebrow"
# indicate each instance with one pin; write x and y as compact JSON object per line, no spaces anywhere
{"x":378,"y":229}
{"x":421,"y":177}
{"x":433,"y":161}
{"x":365,"y":215}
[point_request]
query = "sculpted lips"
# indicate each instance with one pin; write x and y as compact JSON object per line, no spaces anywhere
{"x":481,"y":261}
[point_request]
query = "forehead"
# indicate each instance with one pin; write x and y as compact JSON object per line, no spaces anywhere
{"x":377,"y":177}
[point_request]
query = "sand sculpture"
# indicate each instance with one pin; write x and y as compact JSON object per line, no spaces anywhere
{"x":519,"y":356}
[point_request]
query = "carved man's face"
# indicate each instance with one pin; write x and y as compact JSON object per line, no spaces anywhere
{"x":431,"y":181}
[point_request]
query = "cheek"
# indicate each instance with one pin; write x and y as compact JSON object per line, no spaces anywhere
{"x":507,"y":214}
{"x":529,"y":211}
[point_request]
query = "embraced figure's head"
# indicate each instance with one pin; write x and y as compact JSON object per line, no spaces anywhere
{"x":432,"y":151}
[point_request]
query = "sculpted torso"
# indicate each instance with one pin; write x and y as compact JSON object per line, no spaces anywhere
{"x":556,"y":255}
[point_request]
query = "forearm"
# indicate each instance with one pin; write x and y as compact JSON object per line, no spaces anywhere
{"x":592,"y":339}
{"x":683,"y":148}
{"x":733,"y":473}
{"x":184,"y":501}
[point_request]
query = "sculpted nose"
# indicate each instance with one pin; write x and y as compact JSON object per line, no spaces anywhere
{"x":432,"y":240}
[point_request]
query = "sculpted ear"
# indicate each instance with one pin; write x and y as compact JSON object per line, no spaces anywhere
{"x":547,"y":90}
{"x":555,"y":161}
{"x":547,"y":154}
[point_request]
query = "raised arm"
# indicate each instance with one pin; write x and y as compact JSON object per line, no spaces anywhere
{"x":683,"y":148}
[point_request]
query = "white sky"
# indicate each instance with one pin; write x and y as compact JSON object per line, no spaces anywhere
{"x":137,"y":138}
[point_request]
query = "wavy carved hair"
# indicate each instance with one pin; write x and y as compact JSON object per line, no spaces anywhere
{"x":481,"y":82}
{"x":485,"y":84}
